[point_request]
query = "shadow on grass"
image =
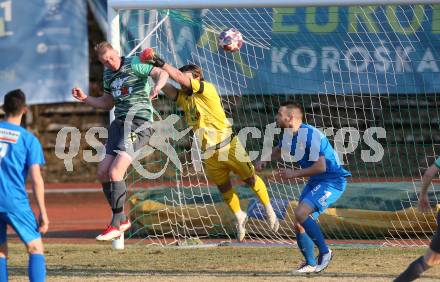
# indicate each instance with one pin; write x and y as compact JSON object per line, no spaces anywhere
{"x":68,"y":234}
{"x":102,"y":272}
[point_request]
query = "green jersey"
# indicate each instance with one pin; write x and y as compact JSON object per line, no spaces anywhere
{"x":130,"y":88}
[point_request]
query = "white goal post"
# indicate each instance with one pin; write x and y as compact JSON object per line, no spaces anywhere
{"x":365,"y":72}
{"x":200,"y":4}
{"x":113,"y":6}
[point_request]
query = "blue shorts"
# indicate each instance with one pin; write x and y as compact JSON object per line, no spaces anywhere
{"x":23,"y":222}
{"x":320,"y":195}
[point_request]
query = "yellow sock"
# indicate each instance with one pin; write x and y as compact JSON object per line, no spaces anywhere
{"x":232,"y":200}
{"x":261,"y":190}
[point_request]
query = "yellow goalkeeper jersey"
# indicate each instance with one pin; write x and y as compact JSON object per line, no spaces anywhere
{"x":204,"y":113}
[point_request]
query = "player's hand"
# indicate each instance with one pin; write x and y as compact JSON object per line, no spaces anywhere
{"x":78,"y":94}
{"x":43,"y":223}
{"x":286,"y":173}
{"x":423,"y":203}
{"x":260,"y":165}
{"x":149,"y":56}
{"x":154,"y":93}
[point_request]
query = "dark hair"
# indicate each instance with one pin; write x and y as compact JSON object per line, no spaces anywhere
{"x":195,"y":69}
{"x":14,"y":102}
{"x":292,"y":105}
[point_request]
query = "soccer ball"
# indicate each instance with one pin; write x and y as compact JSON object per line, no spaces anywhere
{"x":230,"y":40}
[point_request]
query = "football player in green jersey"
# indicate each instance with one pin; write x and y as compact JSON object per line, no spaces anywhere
{"x":126,"y":88}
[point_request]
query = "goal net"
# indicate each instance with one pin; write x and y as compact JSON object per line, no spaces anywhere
{"x":367,"y":76}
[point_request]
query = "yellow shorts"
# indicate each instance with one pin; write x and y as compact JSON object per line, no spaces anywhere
{"x":231,"y":157}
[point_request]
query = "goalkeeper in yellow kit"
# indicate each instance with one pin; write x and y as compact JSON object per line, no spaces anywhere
{"x":204,"y":113}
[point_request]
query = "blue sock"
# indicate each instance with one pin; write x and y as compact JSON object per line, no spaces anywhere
{"x":3,"y":270}
{"x":306,"y":246}
{"x":37,"y":268}
{"x":314,"y":231}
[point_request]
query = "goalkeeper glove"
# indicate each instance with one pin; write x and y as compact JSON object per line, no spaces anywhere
{"x":148,"y":56}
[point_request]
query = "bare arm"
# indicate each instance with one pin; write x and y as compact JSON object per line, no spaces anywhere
{"x":426,"y":182}
{"x":275,"y":155}
{"x":148,"y":56}
{"x":38,"y":190}
{"x":170,"y":91}
{"x":160,"y":77}
{"x":103,"y":102}
{"x":177,"y":75}
{"x":317,"y":168}
{"x":427,"y":178}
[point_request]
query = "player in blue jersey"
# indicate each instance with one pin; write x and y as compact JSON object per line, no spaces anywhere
{"x":21,"y":154}
{"x":306,"y":145}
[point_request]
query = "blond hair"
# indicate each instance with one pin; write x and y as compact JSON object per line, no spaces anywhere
{"x":101,"y":47}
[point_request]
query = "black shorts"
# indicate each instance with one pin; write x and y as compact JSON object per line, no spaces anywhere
{"x":435,"y":242}
{"x":127,"y":137}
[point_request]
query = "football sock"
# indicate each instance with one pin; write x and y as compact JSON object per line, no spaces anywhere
{"x":314,"y":231}
{"x":231,"y":199}
{"x":305,"y":245}
{"x":106,"y":189}
{"x":414,"y":270}
{"x":3,"y":270}
{"x":260,"y":189}
{"x":37,"y":268}
{"x":118,"y":194}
